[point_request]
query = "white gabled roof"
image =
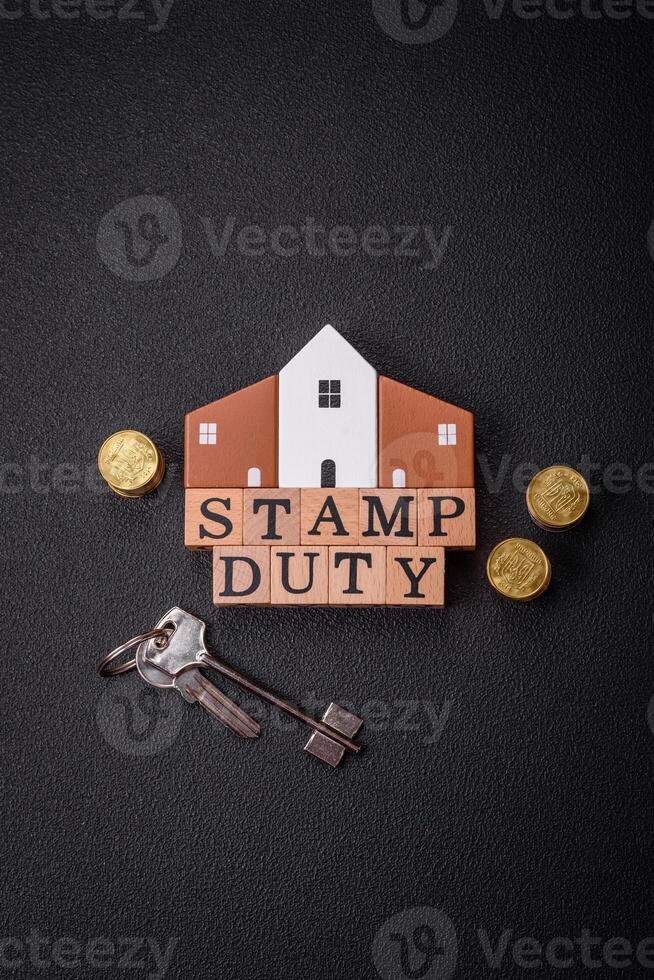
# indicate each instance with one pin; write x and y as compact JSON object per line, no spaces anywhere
{"x":327,"y":342}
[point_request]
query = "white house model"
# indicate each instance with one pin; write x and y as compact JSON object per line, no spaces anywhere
{"x":327,"y":416}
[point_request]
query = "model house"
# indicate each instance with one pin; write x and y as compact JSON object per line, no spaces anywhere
{"x":329,"y":420}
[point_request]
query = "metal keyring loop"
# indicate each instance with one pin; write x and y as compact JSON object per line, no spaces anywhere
{"x":103,"y":664}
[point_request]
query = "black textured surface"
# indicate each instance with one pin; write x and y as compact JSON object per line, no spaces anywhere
{"x":531,"y":140}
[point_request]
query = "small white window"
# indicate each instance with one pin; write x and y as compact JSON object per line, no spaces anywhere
{"x":208,"y":431}
{"x":254,"y":476}
{"x":399,"y":478}
{"x":446,"y":434}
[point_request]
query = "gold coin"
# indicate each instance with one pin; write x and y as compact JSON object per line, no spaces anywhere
{"x":131,"y":463}
{"x":557,"y":498}
{"x":519,"y":569}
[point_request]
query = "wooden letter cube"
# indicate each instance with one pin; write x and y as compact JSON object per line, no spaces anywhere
{"x":415,"y":576}
{"x":213,"y":517}
{"x":357,"y":576}
{"x":271,"y":517}
{"x":241,"y":576}
{"x":330,"y":516}
{"x":299,"y":576}
{"x":388,"y":517}
{"x":446,"y":517}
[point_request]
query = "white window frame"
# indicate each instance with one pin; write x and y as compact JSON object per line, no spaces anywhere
{"x":447,"y":433}
{"x":208,"y":433}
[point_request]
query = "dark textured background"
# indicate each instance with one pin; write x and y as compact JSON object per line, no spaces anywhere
{"x":533,"y":811}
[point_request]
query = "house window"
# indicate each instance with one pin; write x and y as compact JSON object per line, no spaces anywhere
{"x":208,"y":432}
{"x":446,"y":434}
{"x":329,"y":394}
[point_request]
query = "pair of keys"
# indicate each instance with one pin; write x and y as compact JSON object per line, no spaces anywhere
{"x":171,"y":655}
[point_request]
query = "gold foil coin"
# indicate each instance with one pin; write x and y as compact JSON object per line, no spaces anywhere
{"x":131,"y":463}
{"x":557,"y":498}
{"x":518,"y":569}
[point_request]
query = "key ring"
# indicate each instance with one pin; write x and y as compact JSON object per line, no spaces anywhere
{"x":102,"y":666}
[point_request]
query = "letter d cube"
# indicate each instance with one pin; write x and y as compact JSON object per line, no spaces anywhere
{"x":241,"y":576}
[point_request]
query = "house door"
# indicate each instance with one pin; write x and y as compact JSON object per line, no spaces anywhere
{"x":328,"y":473}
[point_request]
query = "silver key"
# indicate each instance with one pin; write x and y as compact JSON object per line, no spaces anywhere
{"x":175,"y":664}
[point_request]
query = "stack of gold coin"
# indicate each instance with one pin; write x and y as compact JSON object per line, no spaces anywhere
{"x":518,"y":569}
{"x":557,"y":498}
{"x":131,"y":463}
